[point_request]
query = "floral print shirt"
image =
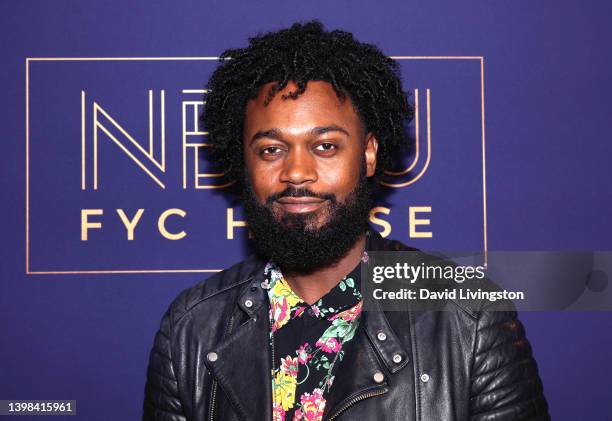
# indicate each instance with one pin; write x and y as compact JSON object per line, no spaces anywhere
{"x":306,"y":343}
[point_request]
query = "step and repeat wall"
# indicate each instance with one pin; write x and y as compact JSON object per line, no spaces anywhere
{"x":111,"y":206}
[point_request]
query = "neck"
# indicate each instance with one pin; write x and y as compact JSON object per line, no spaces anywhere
{"x":313,"y":286}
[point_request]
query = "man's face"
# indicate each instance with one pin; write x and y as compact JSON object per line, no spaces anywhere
{"x":315,"y":142}
{"x":307,"y":159}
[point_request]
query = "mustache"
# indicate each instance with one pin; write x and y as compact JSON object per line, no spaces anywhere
{"x":300,"y":192}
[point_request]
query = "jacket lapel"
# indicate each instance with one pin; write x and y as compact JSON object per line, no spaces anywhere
{"x":242,"y":366}
{"x":361,"y":375}
{"x":354,"y":376}
{"x":364,"y":371}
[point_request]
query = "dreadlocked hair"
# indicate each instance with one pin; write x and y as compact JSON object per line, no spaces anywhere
{"x":302,"y":53}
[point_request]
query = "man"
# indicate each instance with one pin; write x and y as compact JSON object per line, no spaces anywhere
{"x":306,"y":120}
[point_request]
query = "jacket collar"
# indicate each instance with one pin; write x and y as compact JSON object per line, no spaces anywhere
{"x":243,"y":359}
{"x":243,"y":363}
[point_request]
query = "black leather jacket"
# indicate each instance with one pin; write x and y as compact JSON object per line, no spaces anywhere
{"x":211,"y":360}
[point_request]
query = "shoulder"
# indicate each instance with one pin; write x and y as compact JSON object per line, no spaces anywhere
{"x":220,"y":286}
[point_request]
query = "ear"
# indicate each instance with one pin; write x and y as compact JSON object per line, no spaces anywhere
{"x":371,"y":146}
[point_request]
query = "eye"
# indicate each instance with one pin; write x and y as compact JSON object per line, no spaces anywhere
{"x":270,"y":150}
{"x":326,"y":147}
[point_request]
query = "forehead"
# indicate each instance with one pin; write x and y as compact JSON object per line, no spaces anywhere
{"x":319,"y":105}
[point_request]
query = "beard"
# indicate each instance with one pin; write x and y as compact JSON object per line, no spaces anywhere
{"x":294,"y":241}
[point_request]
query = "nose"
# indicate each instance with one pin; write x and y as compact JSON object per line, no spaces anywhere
{"x":298,"y":167}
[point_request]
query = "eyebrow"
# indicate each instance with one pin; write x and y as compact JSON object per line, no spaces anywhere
{"x":317,"y":131}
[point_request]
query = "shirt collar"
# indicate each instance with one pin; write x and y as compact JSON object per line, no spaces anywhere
{"x":343,"y":296}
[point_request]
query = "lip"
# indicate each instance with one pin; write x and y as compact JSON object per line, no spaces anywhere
{"x":300,"y":204}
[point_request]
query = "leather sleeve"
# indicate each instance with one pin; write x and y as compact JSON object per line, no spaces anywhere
{"x":505,"y":384}
{"x":162,"y":401}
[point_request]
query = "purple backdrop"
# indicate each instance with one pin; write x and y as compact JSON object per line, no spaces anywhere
{"x":87,"y":336}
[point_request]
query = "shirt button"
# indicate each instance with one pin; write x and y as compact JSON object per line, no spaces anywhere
{"x":378,"y":377}
{"x":397,"y":358}
{"x":248,"y":303}
{"x":212,"y":357}
{"x":381,"y":336}
{"x":424,"y":377}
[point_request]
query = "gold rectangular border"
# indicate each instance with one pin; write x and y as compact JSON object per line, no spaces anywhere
{"x":128,"y":271}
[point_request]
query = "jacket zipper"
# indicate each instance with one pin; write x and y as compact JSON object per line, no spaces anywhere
{"x":357,"y":399}
{"x":272,"y":352}
{"x":213,"y":392}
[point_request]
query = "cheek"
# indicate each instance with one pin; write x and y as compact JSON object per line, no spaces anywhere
{"x":261,"y":180}
{"x":260,"y":188}
{"x":341,"y":176}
